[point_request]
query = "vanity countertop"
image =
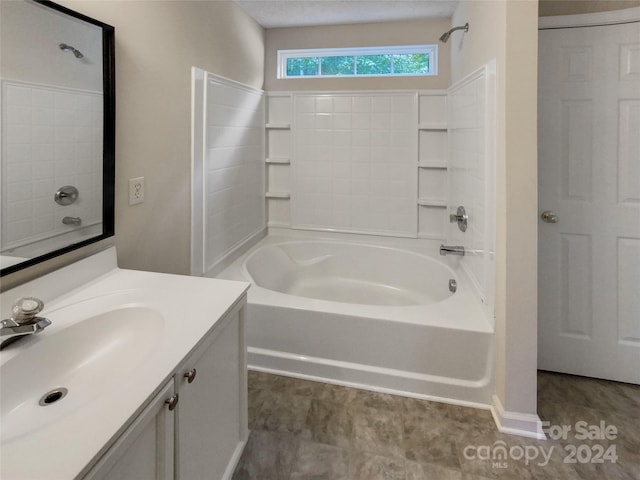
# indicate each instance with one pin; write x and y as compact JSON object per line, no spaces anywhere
{"x":190,"y":307}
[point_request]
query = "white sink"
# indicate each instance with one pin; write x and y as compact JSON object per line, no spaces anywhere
{"x":93,"y":357}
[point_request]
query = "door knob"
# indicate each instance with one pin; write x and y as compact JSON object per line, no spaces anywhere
{"x":549,"y":217}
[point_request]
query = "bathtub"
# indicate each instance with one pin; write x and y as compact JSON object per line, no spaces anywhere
{"x":368,"y":312}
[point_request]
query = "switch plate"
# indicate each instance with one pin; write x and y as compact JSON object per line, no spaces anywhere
{"x":136,"y":190}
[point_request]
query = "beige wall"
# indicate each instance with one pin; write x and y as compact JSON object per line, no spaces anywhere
{"x":359,"y":35}
{"x":507,"y":31}
{"x":157,"y":43}
{"x":519,"y":216}
{"x":549,"y":8}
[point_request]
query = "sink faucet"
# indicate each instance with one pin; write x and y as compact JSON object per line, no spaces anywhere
{"x":23,"y":321}
{"x":451,"y":250}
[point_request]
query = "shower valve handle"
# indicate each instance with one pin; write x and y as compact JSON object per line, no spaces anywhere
{"x":460,"y":217}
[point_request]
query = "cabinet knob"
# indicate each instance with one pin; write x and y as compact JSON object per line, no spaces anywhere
{"x":172,"y":401}
{"x":190,"y":375}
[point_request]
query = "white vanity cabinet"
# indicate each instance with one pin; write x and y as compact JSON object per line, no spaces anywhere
{"x":211,"y":425}
{"x":201,"y":434}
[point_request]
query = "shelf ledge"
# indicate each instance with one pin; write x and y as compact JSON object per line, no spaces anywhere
{"x":432,"y":202}
{"x":279,"y":195}
{"x":443,"y":165}
{"x":278,"y":161}
{"x":440,"y":127}
{"x":278,"y":126}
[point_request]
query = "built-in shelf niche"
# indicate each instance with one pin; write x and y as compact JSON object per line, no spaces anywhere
{"x":432,"y":164}
{"x":278,"y":158}
{"x":432,"y":220}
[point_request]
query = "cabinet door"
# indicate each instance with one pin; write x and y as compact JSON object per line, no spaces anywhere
{"x":145,"y":451}
{"x":212,"y":425}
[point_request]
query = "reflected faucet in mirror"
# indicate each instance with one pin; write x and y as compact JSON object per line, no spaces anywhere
{"x":24,"y":321}
{"x":73,"y":221}
{"x":452,"y":250}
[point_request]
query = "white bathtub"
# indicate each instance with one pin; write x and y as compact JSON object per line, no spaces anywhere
{"x":374,"y":313}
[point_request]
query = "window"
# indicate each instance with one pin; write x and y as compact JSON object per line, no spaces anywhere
{"x":359,"y":62}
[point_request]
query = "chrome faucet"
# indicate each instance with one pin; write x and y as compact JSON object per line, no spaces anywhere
{"x":72,"y":221}
{"x":452,"y":250}
{"x":23,"y":321}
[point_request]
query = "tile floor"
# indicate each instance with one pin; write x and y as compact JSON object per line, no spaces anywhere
{"x":310,"y":430}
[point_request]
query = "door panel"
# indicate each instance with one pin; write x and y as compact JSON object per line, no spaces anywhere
{"x":575,"y":269}
{"x":628,"y":148}
{"x":628,"y":298}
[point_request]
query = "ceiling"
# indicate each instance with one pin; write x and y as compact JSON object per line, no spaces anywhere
{"x":299,"y":13}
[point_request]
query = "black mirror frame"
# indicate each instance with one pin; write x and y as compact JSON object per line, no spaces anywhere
{"x":109,"y":142}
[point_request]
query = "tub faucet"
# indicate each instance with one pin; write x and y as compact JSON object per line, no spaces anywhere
{"x":23,"y":321}
{"x":452,"y":250}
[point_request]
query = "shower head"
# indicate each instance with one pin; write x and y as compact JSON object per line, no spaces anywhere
{"x":445,"y":36}
{"x":68,"y":48}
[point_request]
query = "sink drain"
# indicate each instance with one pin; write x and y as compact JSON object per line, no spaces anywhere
{"x":53,"y":396}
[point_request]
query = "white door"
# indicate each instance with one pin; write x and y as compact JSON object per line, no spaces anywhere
{"x":589,"y":177}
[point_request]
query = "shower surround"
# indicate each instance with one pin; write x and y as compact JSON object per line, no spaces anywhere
{"x":348,"y":285}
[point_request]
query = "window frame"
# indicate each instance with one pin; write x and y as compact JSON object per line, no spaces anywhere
{"x":284,"y":55}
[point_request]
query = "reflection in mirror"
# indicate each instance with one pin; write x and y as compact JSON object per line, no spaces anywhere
{"x":57,"y":140}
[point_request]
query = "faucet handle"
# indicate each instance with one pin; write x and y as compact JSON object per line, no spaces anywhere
{"x":25,"y":309}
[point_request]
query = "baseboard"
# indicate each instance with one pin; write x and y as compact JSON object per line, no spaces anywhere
{"x":515,"y":423}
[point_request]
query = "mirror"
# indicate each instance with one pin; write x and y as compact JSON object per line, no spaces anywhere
{"x":58,"y":132}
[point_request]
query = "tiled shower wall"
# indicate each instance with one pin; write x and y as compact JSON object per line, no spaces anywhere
{"x":51,"y":137}
{"x":365,"y":162}
{"x":229,"y":170}
{"x":355,"y":163}
{"x":472,"y":175}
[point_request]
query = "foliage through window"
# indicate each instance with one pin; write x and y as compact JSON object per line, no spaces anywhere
{"x":358,"y":62}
